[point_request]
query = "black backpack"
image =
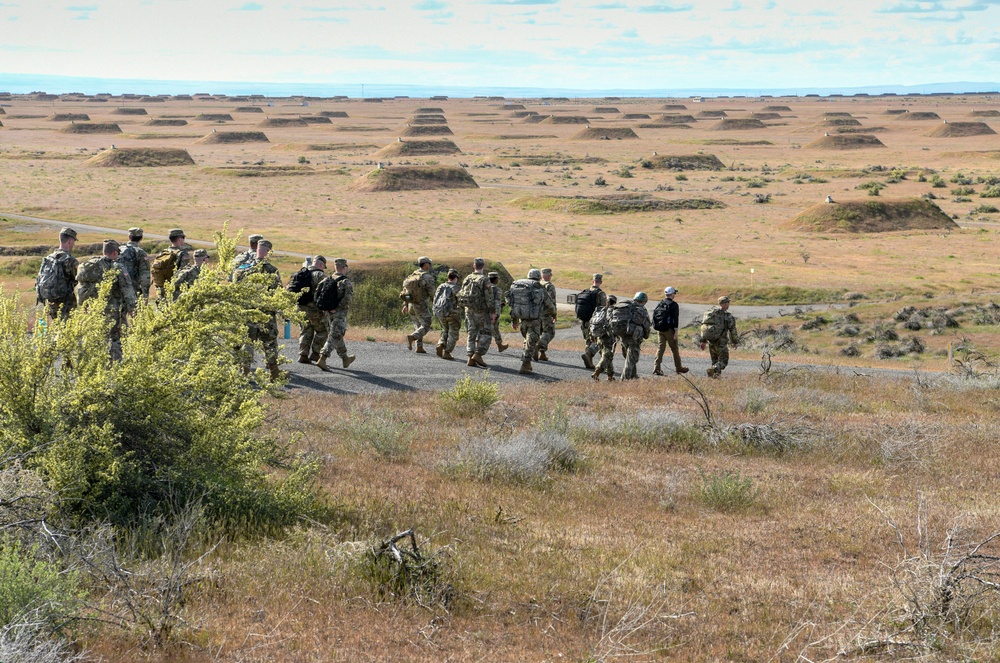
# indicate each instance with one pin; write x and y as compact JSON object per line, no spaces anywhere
{"x":327,"y":295}
{"x":586,"y":302}
{"x":302,"y":281}
{"x":662,"y":320}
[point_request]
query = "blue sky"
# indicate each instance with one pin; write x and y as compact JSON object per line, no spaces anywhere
{"x":625,"y":44}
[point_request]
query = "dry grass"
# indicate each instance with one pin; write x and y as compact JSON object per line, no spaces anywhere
{"x":137,"y":157}
{"x":427,"y":130}
{"x":413,"y":148}
{"x":226,"y":137}
{"x":92,"y":128}
{"x":606,"y":133}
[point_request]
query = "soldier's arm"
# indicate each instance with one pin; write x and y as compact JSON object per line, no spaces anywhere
{"x":144,"y":276}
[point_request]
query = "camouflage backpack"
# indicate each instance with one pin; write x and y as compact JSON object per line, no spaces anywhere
{"x":444,"y":301}
{"x":52,"y":283}
{"x":623,"y":316}
{"x":713,"y":324}
{"x":163,"y":266}
{"x":527,"y":297}
{"x":474,"y":294}
{"x":412,"y":292}
{"x":89,"y":276}
{"x":129,"y":260}
{"x":600,"y":323}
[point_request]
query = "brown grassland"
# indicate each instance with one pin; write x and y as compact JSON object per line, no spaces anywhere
{"x":802,"y":516}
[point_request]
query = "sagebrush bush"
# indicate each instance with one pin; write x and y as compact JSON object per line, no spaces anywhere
{"x":523,"y":457}
{"x":380,"y":429}
{"x":658,"y":429}
{"x":470,"y":397}
{"x":727,"y":491}
{"x":31,"y":584}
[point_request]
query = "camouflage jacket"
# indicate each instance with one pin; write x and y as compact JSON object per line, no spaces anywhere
{"x":551,"y":289}
{"x":498,"y":298}
{"x":137,"y":269}
{"x":728,"y":324}
{"x":184,"y":277}
{"x":428,"y":284}
{"x":345,"y":288}
{"x":122,"y":296}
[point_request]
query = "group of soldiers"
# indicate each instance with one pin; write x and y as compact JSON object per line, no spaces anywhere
{"x":324,"y":301}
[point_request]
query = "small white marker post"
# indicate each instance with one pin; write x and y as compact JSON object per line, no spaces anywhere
{"x":751,"y":277}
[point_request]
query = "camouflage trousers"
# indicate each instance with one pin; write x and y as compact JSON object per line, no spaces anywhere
{"x":267,"y":334}
{"x":496,"y":332}
{"x":719,"y":352}
{"x":531,"y":330}
{"x":115,"y":335}
{"x":606,"y":346}
{"x":61,"y":310}
{"x":480,"y":329}
{"x":450,"y":329}
{"x":668,"y":338}
{"x":631,"y":346}
{"x":335,"y":338}
{"x":421,"y":317}
{"x":312,"y":335}
{"x":591,"y":348}
{"x":548,"y":333}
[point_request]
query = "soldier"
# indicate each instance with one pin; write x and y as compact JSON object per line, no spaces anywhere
{"x":717,"y":327}
{"x":169,"y":261}
{"x":480,"y":313}
{"x":417,"y":292}
{"x":548,"y":324}
{"x":267,"y":332}
{"x":247,"y":256}
{"x":56,"y":279}
{"x":190,"y":274}
{"x":498,"y":307}
{"x":603,"y":334}
{"x":121,"y":299}
{"x":598,"y":299}
{"x":635,"y":329}
{"x":135,"y":261}
{"x":338,"y":317}
{"x":665,"y":319}
{"x":449,"y":314}
{"x":529,"y":305}
{"x":313,"y":334}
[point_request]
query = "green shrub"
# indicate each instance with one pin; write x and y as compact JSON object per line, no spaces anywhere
{"x":727,"y":491}
{"x":959,"y":178}
{"x":963,"y":191}
{"x":991,"y":192}
{"x":29,"y":583}
{"x":681,"y":177}
{"x":470,"y":397}
{"x":379,"y":429}
{"x":986,"y":209}
{"x":397,"y":571}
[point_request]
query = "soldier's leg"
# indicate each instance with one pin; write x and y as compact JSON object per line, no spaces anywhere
{"x":269,"y":338}
{"x":548,"y":333}
{"x":307,"y":334}
{"x":713,"y":353}
{"x":335,"y":338}
{"x":723,"y":357}
{"x":473,"y":333}
{"x":663,"y":337}
{"x":606,"y":345}
{"x":321,"y":325}
{"x":531,"y":332}
{"x":485,"y":333}
{"x":115,"y":337}
{"x":497,"y":337}
{"x":421,"y":315}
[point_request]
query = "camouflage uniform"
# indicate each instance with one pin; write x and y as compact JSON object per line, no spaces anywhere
{"x":185,"y":277}
{"x":313,"y":334}
{"x":137,"y":268}
{"x":498,"y":303}
{"x":478,"y":314}
{"x":338,"y":319}
{"x":451,"y":326}
{"x":591,"y":348}
{"x":121,"y":299}
{"x":420,"y":312}
{"x":638,"y":330}
{"x":606,"y":344}
{"x":267,"y":332}
{"x":718,"y":349}
{"x":62,"y":308}
{"x":548,"y":322}
{"x":531,"y":330}
{"x":182,"y":258}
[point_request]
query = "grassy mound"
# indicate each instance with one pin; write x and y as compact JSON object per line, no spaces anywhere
{"x":676,"y":119}
{"x":524,"y":113}
{"x":606,"y":109}
{"x":833,"y":114}
{"x":711,"y":114}
{"x":428,"y":130}
{"x":415,"y":178}
{"x":635,"y":116}
{"x":315,"y":119}
{"x":139,"y":157}
{"x":919,"y":115}
{"x":859,"y":130}
{"x":282,"y":122}
{"x":607,"y":133}
{"x":428,"y":120}
{"x":841,"y":122}
{"x":777,"y":109}
{"x":673,"y":107}
{"x":872,"y":216}
{"x":1,"y":124}
{"x":612,"y":203}
{"x":429,"y":110}
{"x":334,"y":114}
{"x":536,"y":119}
{"x":324,"y":147}
{"x":233,"y":137}
{"x":248,"y":109}
{"x":92,"y":128}
{"x":513,"y":106}
{"x":985,"y":113}
{"x":766,"y":116}
{"x":960,"y":130}
{"x":740,"y":124}
{"x":129,"y":111}
{"x":684,"y":162}
{"x":166,"y":123}
{"x":214,"y":117}
{"x":661,"y":125}
{"x":566,"y":119}
{"x":70,"y":117}
{"x":846,"y":142}
{"x":2,"y":112}
{"x":417,"y":148}
{"x":895,"y":111}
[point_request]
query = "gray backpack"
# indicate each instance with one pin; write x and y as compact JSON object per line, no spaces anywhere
{"x":52,"y":283}
{"x":527,"y":297}
{"x":444,"y":300}
{"x":129,"y":260}
{"x":600,"y":323}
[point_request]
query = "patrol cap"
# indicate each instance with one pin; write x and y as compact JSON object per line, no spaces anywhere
{"x":317,"y":258}
{"x":135,"y":232}
{"x":265,"y":242}
{"x":479,"y":262}
{"x":200,"y":253}
{"x":724,"y":299}
{"x":598,"y":277}
{"x":453,"y":273}
{"x":423,"y":260}
{"x":534,"y":274}
{"x":256,"y":238}
{"x":68,"y":232}
{"x":670,"y":290}
{"x":340,"y":262}
{"x":547,"y":270}
{"x":111,"y":245}
{"x":175,"y":233}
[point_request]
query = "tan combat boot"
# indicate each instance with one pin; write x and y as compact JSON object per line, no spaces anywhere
{"x":446,"y":355}
{"x":275,"y":372}
{"x":478,"y":359}
{"x":596,"y":375}
{"x":348,"y":360}
{"x":314,"y":356}
{"x":502,"y":346}
{"x":304,"y":359}
{"x":410,"y":338}
{"x":542,"y":356}
{"x":587,"y":361}
{"x":440,"y":350}
{"x":682,"y":369}
{"x":471,"y":362}
{"x":420,"y":349}
{"x":525,"y":368}
{"x":321,"y":364}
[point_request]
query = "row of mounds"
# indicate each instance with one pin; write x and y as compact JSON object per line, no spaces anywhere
{"x":418,"y":148}
{"x":872,"y":216}
{"x":92,"y":128}
{"x":606,"y":133}
{"x":230,"y":137}
{"x":248,"y":109}
{"x":129,"y":111}
{"x":683,"y":162}
{"x":846,"y":142}
{"x":140,"y":157}
{"x":414,"y":178}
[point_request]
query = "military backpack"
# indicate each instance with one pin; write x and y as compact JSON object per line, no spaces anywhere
{"x":164,"y":265}
{"x":527,"y":297}
{"x":129,"y":260}
{"x":444,"y":300}
{"x":327,"y":295}
{"x":301,"y":282}
{"x":89,"y":276}
{"x":475,"y":293}
{"x":586,"y":302}
{"x":412,"y":291}
{"x":662,"y":320}
{"x":600,"y":323}
{"x":52,"y":283}
{"x":713,"y":324}
{"x":625,"y":317}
